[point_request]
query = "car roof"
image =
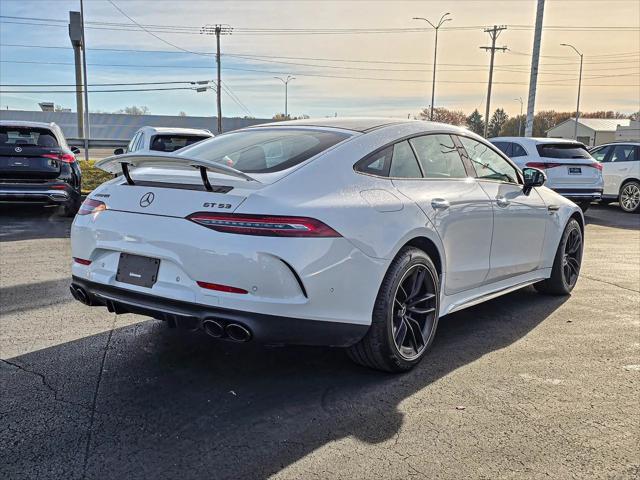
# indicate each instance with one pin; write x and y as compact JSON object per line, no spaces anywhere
{"x":621,"y":142}
{"x":356,"y":124}
{"x":23,"y":123}
{"x":177,"y":131}
{"x":534,"y":140}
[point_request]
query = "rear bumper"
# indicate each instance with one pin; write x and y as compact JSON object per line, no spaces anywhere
{"x":578,"y":194}
{"x":42,"y":194}
{"x":266,"y":329}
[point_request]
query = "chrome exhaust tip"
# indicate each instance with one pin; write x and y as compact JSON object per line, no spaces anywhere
{"x":237,"y":332}
{"x":213,"y":328}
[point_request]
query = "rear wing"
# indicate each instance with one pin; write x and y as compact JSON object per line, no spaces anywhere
{"x":121,"y":163}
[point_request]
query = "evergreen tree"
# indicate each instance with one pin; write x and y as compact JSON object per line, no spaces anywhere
{"x":498,"y":120}
{"x":475,"y":122}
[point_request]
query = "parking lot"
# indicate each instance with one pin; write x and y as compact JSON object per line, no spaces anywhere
{"x":523,"y":386}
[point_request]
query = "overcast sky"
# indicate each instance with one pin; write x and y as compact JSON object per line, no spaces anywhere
{"x":607,"y":32}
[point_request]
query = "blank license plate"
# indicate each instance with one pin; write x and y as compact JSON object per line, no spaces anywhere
{"x":137,"y":270}
{"x":575,"y":171}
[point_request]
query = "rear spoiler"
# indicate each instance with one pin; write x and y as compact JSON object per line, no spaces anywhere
{"x":121,"y":163}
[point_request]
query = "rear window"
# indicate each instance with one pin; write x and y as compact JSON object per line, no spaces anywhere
{"x":27,"y":136}
{"x":264,"y":150}
{"x":563,"y":150}
{"x":171,"y":143}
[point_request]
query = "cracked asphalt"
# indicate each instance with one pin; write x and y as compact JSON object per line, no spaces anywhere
{"x":525,"y":386}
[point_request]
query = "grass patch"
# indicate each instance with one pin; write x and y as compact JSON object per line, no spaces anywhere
{"x":92,"y":177}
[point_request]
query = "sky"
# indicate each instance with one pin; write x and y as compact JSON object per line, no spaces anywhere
{"x":320,"y":42}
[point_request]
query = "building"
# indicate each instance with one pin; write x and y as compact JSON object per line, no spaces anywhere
{"x":591,"y":131}
{"x":628,"y":133}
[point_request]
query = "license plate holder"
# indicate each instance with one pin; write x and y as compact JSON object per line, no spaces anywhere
{"x":137,"y":270}
{"x":575,"y":170}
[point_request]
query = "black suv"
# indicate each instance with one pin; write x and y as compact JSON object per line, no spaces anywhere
{"x":37,"y":166}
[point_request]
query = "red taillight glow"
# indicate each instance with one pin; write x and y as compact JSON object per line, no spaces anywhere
{"x":81,"y":261}
{"x":221,"y":288}
{"x":61,"y":157}
{"x":90,"y":206}
{"x":597,"y":166}
{"x":263,"y":225}
{"x":543,"y":165}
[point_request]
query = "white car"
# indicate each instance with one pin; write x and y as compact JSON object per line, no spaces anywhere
{"x":621,"y":170}
{"x":570,"y":169}
{"x":358,"y":233}
{"x":163,"y":139}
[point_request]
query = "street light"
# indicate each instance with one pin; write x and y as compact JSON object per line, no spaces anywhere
{"x":435,"y":53}
{"x":575,"y":132}
{"x":286,"y":94}
{"x":520,"y":117}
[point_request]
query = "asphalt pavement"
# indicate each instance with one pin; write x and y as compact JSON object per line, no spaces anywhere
{"x":524,"y":386}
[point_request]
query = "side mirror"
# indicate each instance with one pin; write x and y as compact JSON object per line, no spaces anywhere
{"x":75,"y":150}
{"x":533,"y":177}
{"x":118,"y":151}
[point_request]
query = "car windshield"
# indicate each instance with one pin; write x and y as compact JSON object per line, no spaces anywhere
{"x":563,"y":150}
{"x":264,"y":150}
{"x":171,"y":143}
{"x":26,"y":136}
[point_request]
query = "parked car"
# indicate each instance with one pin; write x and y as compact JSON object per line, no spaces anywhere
{"x":37,"y":166}
{"x":570,"y":169}
{"x":621,"y":171}
{"x":359,"y":233}
{"x":163,"y":139}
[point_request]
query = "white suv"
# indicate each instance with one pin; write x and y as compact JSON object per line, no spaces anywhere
{"x":163,"y":139}
{"x":571,"y":170}
{"x":621,"y":170}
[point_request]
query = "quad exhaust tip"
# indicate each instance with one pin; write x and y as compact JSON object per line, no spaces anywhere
{"x":80,"y":295}
{"x":213,"y":328}
{"x":237,"y":332}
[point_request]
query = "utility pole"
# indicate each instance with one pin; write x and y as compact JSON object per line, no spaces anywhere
{"x":217,"y":30}
{"x":87,"y":127}
{"x":519,"y":99}
{"x":533,"y":79}
{"x":286,"y":94}
{"x":575,"y":131}
{"x":435,"y":54}
{"x":75,"y":35}
{"x":494,"y":33}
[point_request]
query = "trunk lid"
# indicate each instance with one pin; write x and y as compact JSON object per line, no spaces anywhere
{"x":569,"y":163}
{"x":28,"y":163}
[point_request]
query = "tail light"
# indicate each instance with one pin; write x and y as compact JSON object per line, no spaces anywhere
{"x":543,"y":165}
{"x":60,"y":157}
{"x":82,"y":261}
{"x":597,"y":165}
{"x":263,"y":225}
{"x":221,"y":288}
{"x":90,"y":206}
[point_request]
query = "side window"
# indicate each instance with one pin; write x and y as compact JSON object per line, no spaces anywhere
{"x":636,"y":156}
{"x":132,"y":143}
{"x":505,"y":147}
{"x":488,"y":164}
{"x":622,"y":153}
{"x":600,"y":154}
{"x":403,"y":162}
{"x":140,"y":142}
{"x":438,"y":156}
{"x":517,"y":151}
{"x":376,"y":164}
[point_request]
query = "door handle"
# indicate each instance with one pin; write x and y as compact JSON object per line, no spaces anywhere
{"x":553,"y":209}
{"x":502,"y":201}
{"x":440,"y":204}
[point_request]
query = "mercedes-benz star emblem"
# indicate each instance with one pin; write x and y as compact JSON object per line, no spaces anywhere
{"x":18,"y":149}
{"x":147,"y":199}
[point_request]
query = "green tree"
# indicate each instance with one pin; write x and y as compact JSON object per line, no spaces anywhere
{"x":444,"y":115}
{"x":475,"y":122}
{"x":498,"y":120}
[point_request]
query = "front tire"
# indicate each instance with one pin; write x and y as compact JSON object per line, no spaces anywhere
{"x":567,"y":263}
{"x":630,"y":196}
{"x":405,"y":315}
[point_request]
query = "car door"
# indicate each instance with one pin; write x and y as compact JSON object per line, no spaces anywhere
{"x":603,"y":155}
{"x":460,"y":211}
{"x":622,"y":164}
{"x":519,"y":220}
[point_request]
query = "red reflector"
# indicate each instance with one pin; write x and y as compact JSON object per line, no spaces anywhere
{"x":263,"y":225}
{"x":91,"y":206}
{"x":61,"y":157}
{"x":81,"y":261}
{"x":221,"y":288}
{"x":58,"y":187}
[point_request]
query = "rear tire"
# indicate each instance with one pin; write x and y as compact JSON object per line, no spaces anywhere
{"x":630,"y":196}
{"x":405,"y":315}
{"x":567,"y":263}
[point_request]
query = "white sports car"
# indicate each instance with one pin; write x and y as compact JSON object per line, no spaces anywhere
{"x":358,"y":233}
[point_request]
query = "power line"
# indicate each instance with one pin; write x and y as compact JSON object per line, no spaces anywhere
{"x":34,"y":85}
{"x":101,"y":91}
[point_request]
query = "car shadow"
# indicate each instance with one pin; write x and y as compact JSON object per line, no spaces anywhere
{"x":31,"y":222}
{"x":611,"y":216}
{"x":145,"y":401}
{"x":22,"y":298}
